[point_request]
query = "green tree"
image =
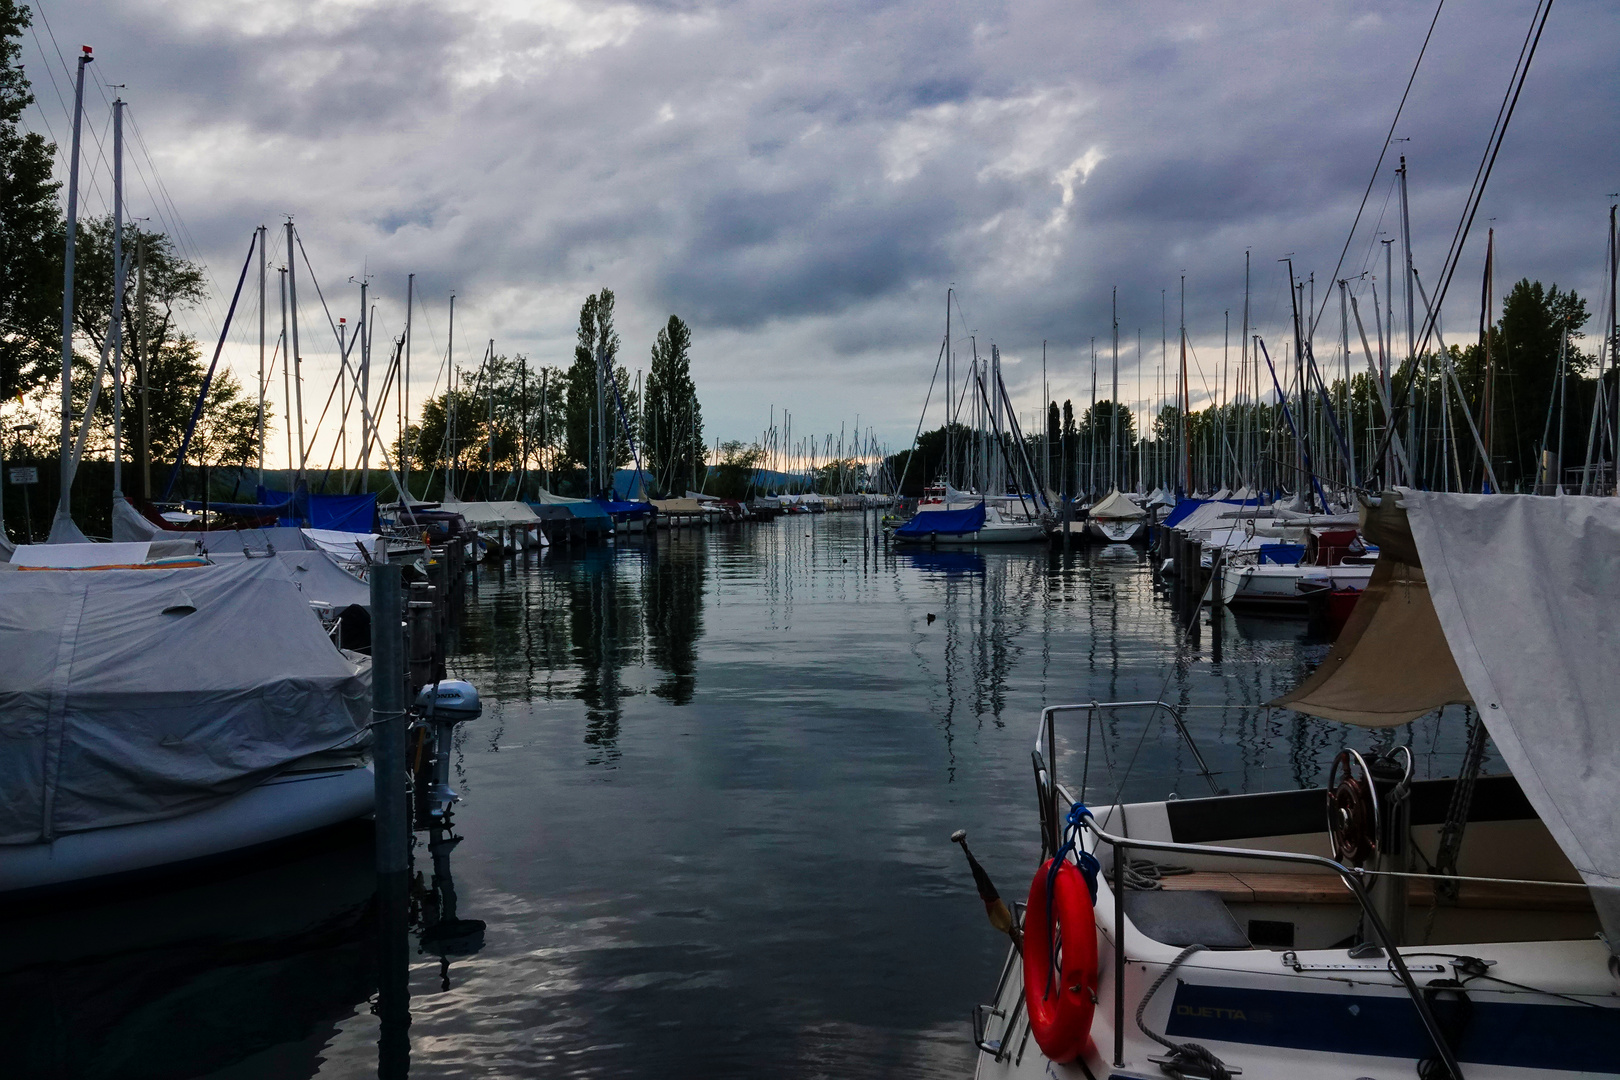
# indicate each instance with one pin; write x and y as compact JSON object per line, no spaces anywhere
{"x":597,"y":344}
{"x":672,"y":421}
{"x":1525,"y":356}
{"x":31,"y":227}
{"x":731,"y":476}
{"x":227,"y":429}
{"x":505,"y":420}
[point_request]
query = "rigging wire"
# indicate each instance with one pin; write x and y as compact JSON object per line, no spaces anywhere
{"x":1389,"y":137}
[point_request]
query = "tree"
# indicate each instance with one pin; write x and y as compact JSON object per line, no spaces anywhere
{"x":1531,"y":329}
{"x":505,"y":416}
{"x":1054,"y":447}
{"x":597,"y":343}
{"x":227,"y":431}
{"x":30,"y":229}
{"x":673,"y":420}
{"x":731,"y":476}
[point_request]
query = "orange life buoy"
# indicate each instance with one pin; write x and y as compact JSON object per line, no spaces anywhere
{"x":1060,"y":1002}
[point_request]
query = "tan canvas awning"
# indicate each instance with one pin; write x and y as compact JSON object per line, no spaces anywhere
{"x":1391,"y":664}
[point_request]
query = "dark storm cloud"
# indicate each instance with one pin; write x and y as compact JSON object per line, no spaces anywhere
{"x":801,"y":182}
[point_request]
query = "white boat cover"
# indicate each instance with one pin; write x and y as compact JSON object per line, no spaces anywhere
{"x":138,"y":695}
{"x":541,"y":495}
{"x":128,"y":523}
{"x":345,"y":547}
{"x":484,"y":515}
{"x":86,"y":555}
{"x":672,"y":507}
{"x":1117,"y":507}
{"x":700,"y":497}
{"x":1524,"y":592}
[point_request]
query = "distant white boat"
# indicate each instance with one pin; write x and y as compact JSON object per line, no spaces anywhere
{"x":1271,"y":585}
{"x":1117,"y":520}
{"x":948,"y":516}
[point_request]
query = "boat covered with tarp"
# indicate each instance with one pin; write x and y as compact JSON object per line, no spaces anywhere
{"x":157,"y":716}
{"x":942,"y":525}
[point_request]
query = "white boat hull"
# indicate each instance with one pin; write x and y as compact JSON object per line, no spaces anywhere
{"x":1116,"y":531}
{"x":283,"y":806}
{"x":1281,"y":1012}
{"x":991,"y":533}
{"x":1287,"y":586}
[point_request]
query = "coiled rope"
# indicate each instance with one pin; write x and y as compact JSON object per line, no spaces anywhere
{"x":1184,"y":1056}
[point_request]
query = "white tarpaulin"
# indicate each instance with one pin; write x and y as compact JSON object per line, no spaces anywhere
{"x":485,"y":515}
{"x":1116,"y":507}
{"x":136,"y":695}
{"x":1527,"y":591}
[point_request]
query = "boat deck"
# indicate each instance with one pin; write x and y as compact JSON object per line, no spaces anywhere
{"x":1250,"y":887}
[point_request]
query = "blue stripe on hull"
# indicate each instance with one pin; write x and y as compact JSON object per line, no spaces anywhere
{"x":1526,"y":1036}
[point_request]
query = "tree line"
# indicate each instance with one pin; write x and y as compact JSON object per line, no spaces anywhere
{"x":1527,"y":389}
{"x":565,"y":427}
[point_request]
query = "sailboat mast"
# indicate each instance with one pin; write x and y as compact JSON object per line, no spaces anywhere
{"x":365,"y":391}
{"x":1344,"y":343}
{"x":1244,"y":469}
{"x":118,"y":298}
{"x":64,"y":517}
{"x":286,"y":373}
{"x":293,"y":355}
{"x":405,"y":394}
{"x":489,"y":422}
{"x":1186,"y":398}
{"x":1411,"y":319}
{"x":1046,"y":449}
{"x":1113,"y":445}
{"x":950,"y":395}
{"x":263,"y":266}
{"x":1091,"y":428}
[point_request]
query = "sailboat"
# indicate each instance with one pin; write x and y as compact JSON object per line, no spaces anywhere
{"x":999,"y":511}
{"x":1461,"y":927}
{"x":1117,"y":520}
{"x":165,"y":714}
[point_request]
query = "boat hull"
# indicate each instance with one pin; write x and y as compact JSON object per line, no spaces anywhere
{"x":1116,"y":531}
{"x":991,"y":533}
{"x":282,"y":807}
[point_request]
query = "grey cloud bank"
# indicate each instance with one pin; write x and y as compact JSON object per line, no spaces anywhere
{"x":801,"y":182}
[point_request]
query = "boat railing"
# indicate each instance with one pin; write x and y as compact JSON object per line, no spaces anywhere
{"x":1046,"y":753}
{"x":1122,"y":846}
{"x":1049,"y":792}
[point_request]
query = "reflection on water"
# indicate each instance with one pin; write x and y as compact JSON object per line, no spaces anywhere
{"x":706,"y":817}
{"x":249,"y":974}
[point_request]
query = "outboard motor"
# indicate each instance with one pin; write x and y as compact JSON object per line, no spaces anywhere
{"x":439,"y":708}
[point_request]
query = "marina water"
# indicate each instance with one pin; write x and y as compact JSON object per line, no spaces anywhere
{"x":705,"y":821}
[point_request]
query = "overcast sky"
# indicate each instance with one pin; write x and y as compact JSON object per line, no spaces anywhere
{"x":802,"y":181}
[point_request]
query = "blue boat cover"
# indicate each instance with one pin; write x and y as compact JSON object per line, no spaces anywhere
{"x":1180,"y":511}
{"x":614,"y":506}
{"x":952,"y":522}
{"x":577,"y":509}
{"x":1282,"y":554}
{"x":343,"y":513}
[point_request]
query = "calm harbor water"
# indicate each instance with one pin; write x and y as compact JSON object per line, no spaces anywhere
{"x":705,"y":823}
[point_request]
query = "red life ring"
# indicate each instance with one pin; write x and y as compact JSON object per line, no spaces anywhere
{"x":1060,"y":1003}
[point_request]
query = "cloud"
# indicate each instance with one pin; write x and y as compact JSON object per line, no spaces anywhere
{"x":802,"y":182}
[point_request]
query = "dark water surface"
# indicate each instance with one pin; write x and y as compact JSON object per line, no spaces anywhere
{"x":705,"y":821}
